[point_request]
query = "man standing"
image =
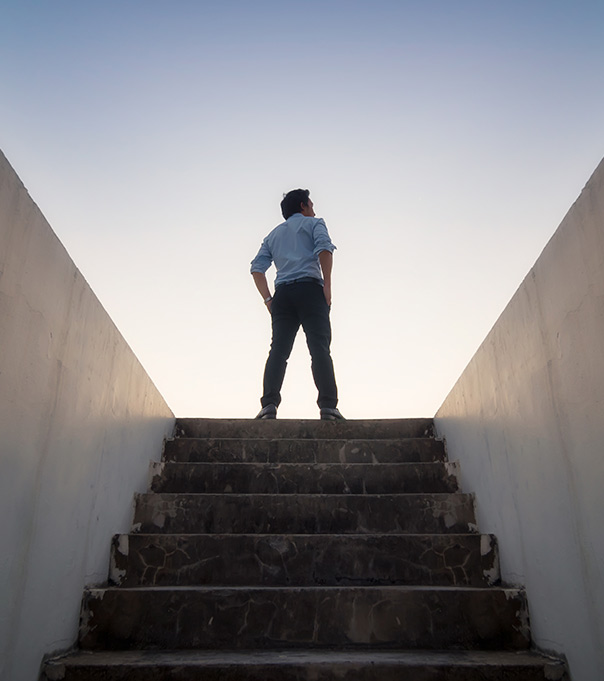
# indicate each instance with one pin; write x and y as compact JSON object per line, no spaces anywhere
{"x":302,"y":252}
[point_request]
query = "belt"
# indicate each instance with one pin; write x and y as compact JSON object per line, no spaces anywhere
{"x":301,"y":280}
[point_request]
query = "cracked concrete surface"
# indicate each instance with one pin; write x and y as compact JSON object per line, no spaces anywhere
{"x":258,"y":552}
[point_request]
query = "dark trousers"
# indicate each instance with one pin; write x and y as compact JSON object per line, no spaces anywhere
{"x":294,"y":305}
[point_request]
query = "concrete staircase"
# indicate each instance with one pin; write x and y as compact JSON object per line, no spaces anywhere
{"x":304,"y":550}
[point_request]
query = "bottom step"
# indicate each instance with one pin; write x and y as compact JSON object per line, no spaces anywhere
{"x":306,"y":666}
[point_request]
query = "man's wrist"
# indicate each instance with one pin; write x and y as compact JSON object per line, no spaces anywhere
{"x":268,"y":300}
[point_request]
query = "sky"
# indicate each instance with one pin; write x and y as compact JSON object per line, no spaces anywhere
{"x":442,"y":142}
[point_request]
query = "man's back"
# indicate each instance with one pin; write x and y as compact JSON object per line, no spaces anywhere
{"x":294,"y":246}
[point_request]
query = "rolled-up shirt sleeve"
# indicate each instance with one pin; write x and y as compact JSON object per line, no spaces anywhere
{"x":263,"y":259}
{"x":321,"y":239}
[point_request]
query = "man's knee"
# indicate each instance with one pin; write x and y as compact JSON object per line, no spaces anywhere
{"x":318,"y":344}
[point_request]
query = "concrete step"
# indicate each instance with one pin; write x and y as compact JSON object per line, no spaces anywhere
{"x":288,"y":450}
{"x":299,"y":478}
{"x":301,"y":617}
{"x":304,"y":514}
{"x":304,"y":560}
{"x":304,"y":665}
{"x":264,"y":567}
{"x":296,"y":428}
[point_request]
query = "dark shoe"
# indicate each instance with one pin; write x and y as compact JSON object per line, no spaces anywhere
{"x":268,"y":412}
{"x":328,"y":414}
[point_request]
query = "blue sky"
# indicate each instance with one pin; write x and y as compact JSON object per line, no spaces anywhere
{"x":442,"y":142}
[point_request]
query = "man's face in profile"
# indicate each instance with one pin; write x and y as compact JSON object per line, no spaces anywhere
{"x":308,"y":210}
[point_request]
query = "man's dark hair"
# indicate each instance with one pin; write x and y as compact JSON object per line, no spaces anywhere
{"x":293,"y":200}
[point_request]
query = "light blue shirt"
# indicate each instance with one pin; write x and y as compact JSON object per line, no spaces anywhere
{"x":294,"y":247}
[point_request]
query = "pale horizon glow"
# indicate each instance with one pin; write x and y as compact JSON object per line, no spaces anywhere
{"x":442,"y":142}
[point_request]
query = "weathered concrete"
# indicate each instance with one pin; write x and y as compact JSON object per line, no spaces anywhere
{"x":296,"y":478}
{"x":291,"y":617}
{"x":79,"y":420}
{"x":227,"y":571}
{"x":305,"y":560}
{"x":274,"y":450}
{"x":308,"y":513}
{"x":303,"y":665}
{"x":294,"y":428}
{"x":526,"y":422}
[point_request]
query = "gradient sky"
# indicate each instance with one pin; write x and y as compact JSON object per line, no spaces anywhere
{"x":443,"y":142}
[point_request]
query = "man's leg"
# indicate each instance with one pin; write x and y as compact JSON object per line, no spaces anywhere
{"x":285,"y":323}
{"x":314,"y":316}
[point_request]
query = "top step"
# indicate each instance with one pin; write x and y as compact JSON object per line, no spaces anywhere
{"x":378,"y":429}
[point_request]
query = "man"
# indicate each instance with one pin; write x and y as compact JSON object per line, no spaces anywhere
{"x":302,"y":252}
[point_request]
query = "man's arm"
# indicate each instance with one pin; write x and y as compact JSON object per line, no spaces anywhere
{"x":262,"y":286}
{"x":326,"y":262}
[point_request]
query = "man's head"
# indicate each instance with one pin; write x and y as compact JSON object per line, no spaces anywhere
{"x":297,"y":201}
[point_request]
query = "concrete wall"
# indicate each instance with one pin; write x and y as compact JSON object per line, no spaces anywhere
{"x":79,"y":421}
{"x":526,"y":421}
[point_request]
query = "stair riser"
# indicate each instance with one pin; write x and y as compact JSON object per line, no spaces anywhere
{"x":282,"y":560}
{"x":304,"y":478}
{"x":306,"y":514}
{"x":349,"y":581}
{"x":291,"y":618}
{"x":304,"y":451}
{"x":314,"y":672}
{"x":283,"y":428}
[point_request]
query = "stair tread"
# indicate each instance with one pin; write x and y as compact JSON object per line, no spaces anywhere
{"x":310,"y":537}
{"x":304,"y":559}
{"x":224,"y":658}
{"x":303,"y":428}
{"x":309,"y":450}
{"x":399,"y":588}
{"x":302,"y":464}
{"x":304,"y":513}
{"x":305,"y":495}
{"x":302,"y":617}
{"x":304,"y":478}
{"x":286,"y":440}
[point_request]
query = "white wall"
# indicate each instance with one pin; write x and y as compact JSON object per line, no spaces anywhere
{"x":526,"y":421}
{"x":79,"y":421}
